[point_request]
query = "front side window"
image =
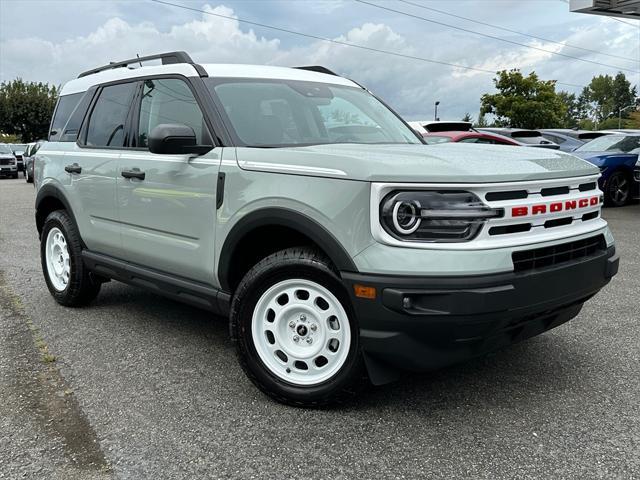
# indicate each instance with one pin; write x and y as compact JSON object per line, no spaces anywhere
{"x":612,"y":143}
{"x":66,"y":105}
{"x":280,"y":113}
{"x":169,"y":100}
{"x":106,"y":127}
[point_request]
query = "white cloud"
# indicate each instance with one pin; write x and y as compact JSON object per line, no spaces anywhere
{"x":410,"y":86}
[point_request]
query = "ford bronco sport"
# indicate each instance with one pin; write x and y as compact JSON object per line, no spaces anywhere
{"x":298,"y":204}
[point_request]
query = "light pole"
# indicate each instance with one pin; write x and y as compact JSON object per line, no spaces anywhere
{"x":620,"y":110}
{"x":435,"y":114}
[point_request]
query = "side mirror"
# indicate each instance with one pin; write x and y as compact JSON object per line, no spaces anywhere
{"x":175,"y":138}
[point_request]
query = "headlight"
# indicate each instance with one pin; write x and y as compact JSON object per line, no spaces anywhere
{"x":435,"y":216}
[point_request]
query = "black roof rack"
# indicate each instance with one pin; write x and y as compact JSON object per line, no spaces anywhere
{"x":319,"y":69}
{"x":167,"y":59}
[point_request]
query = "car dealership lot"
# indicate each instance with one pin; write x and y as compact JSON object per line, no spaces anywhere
{"x":143,"y":387}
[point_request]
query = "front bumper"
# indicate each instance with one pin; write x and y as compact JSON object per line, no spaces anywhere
{"x":8,"y":170}
{"x":424,"y":323}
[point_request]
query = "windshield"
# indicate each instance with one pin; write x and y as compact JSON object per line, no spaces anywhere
{"x":281,"y":113}
{"x":433,"y":139}
{"x":19,"y":147}
{"x":611,"y":143}
{"x":5,"y":149}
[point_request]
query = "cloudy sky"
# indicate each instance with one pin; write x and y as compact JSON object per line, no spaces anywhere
{"x":52,"y":41}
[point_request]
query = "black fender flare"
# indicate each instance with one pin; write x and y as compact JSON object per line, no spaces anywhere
{"x":284,"y":217}
{"x":47,"y":191}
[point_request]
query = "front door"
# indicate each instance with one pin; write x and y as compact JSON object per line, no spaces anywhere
{"x":167,"y":203}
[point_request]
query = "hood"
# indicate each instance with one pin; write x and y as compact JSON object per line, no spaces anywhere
{"x":599,"y":158}
{"x":447,"y":162}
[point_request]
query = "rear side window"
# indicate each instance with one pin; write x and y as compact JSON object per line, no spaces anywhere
{"x":107,"y":123}
{"x":66,"y":105}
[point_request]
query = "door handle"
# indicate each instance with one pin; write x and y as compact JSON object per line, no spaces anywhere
{"x":133,"y":173}
{"x":75,"y":168}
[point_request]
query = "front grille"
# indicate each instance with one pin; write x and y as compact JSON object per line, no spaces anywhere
{"x":557,"y":254}
{"x":5,"y":161}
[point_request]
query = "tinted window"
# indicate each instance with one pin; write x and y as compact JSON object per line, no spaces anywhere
{"x":612,"y":143}
{"x":278,"y":113}
{"x":169,"y":101}
{"x":72,"y":127}
{"x":66,"y":105}
{"x":106,"y":127}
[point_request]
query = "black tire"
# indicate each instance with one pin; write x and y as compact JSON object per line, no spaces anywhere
{"x":15,"y":175}
{"x":617,"y":189}
{"x":82,"y":286}
{"x":294,"y":263}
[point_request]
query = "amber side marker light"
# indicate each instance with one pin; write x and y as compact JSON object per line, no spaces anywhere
{"x":362,"y":291}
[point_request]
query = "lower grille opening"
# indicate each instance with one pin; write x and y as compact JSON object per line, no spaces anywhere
{"x":590,"y":216}
{"x":585,"y":187}
{"x":557,"y":254}
{"x":519,"y":228}
{"x":547,"y":192}
{"x":558,"y":222}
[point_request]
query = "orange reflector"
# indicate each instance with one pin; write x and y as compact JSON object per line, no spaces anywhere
{"x":362,"y":291}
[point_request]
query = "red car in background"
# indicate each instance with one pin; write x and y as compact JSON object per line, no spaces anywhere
{"x":468,"y":137}
{"x":447,"y":131}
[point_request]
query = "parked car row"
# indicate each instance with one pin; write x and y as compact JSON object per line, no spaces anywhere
{"x":18,"y":157}
{"x":8,"y":161}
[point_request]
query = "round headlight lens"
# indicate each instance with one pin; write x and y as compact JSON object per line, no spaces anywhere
{"x":406,"y":217}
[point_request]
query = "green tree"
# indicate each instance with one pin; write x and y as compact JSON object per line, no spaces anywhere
{"x":572,"y":116}
{"x":481,"y":123}
{"x":467,"y":118}
{"x":524,"y":102}
{"x":26,"y":108}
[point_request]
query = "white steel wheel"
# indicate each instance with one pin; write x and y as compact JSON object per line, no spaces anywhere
{"x":301,"y":332}
{"x":58,"y":260}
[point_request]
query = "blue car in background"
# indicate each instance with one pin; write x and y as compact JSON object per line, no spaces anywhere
{"x":616,"y":156}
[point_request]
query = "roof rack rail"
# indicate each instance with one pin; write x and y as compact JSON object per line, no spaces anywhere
{"x":319,"y":69}
{"x":167,"y":59}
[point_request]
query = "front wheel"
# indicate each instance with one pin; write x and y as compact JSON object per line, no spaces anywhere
{"x":295,"y":332}
{"x":617,"y":190}
{"x":70,"y":283}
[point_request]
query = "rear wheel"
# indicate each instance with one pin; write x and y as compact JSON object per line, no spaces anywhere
{"x":296,"y":336}
{"x":617,"y":190}
{"x":70,"y":283}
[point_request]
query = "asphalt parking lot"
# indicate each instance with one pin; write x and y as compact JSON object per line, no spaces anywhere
{"x":137,"y":386}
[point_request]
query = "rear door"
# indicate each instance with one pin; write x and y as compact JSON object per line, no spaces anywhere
{"x":92,"y":164}
{"x":167,"y":203}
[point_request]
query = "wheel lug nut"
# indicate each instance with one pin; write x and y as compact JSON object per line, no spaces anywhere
{"x":313,"y":327}
{"x":303,"y":317}
{"x":292,"y":324}
{"x":309,"y":340}
{"x":296,"y":338}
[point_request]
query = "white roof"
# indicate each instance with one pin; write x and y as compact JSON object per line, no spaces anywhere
{"x":212,"y":69}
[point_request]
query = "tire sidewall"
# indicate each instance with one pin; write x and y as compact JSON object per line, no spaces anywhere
{"x":244,"y":306}
{"x":610,"y":200}
{"x":59,"y":220}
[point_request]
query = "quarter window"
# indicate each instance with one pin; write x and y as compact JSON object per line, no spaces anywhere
{"x":66,"y":105}
{"x":169,"y":101}
{"x":107,"y":123}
